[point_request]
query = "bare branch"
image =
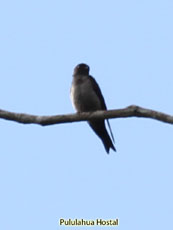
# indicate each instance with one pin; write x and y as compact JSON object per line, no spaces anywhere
{"x":130,"y":111}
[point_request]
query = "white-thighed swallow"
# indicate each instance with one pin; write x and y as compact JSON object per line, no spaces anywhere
{"x":86,"y":96}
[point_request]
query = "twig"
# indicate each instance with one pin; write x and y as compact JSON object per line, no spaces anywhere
{"x":130,"y":111}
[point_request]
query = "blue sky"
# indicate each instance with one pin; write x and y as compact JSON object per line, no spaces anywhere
{"x":47,"y":173}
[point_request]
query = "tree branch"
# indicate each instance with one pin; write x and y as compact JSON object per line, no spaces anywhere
{"x":130,"y":111}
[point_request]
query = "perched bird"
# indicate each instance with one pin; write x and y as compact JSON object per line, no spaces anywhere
{"x":86,"y":96}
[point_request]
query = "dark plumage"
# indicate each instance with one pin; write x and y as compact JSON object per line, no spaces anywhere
{"x":86,"y":96}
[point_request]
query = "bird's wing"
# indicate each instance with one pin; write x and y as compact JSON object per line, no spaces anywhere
{"x":110,"y":130}
{"x":98,"y":92}
{"x":103,"y":104}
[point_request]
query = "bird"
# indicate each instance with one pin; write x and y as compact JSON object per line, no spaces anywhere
{"x":86,"y":96}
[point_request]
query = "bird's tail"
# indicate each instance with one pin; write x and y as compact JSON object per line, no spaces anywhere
{"x":100,"y":129}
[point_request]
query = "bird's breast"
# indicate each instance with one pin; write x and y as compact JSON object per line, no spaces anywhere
{"x":83,"y":96}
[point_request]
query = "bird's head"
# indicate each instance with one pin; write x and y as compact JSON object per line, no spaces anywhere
{"x":81,"y":69}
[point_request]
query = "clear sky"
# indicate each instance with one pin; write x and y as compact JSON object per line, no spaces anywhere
{"x":63,"y":171}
